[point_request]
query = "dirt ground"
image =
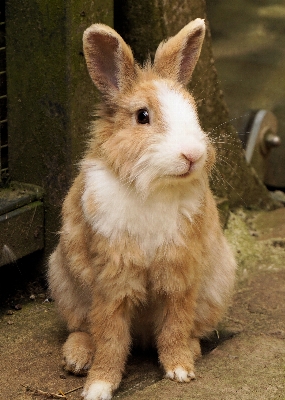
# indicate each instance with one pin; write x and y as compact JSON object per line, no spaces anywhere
{"x":244,"y":359}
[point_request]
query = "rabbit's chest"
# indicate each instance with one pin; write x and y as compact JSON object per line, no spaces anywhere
{"x":115,"y":211}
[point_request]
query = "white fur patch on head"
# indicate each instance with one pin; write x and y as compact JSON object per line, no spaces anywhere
{"x":180,"y":149}
{"x":99,"y":390}
{"x":183,"y":131}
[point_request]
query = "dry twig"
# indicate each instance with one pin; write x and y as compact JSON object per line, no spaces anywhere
{"x":48,"y":395}
{"x":74,"y":390}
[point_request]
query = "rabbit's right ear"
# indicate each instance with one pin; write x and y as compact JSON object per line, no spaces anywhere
{"x":176,"y":58}
{"x":109,"y":59}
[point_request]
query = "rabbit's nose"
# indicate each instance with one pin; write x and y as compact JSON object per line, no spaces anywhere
{"x":192,"y":157}
{"x":188,"y":157}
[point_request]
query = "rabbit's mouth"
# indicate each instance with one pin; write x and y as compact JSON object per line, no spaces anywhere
{"x":191,"y":168}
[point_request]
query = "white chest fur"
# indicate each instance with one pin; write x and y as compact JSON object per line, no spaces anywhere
{"x":118,"y":210}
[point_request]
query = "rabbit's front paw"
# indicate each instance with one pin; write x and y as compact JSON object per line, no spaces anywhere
{"x":98,"y":390}
{"x":180,"y":374}
{"x":78,"y":353}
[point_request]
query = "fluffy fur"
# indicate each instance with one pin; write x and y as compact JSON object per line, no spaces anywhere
{"x":141,"y":254}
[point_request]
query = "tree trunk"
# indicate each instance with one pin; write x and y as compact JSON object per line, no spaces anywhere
{"x":143,"y":25}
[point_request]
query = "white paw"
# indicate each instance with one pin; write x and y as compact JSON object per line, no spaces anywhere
{"x":99,"y":390}
{"x":179,"y":374}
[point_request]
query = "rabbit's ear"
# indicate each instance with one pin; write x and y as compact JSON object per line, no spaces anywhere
{"x":109,"y":59}
{"x":177,"y":57}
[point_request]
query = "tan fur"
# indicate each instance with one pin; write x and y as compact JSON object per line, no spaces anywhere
{"x":111,"y":290}
{"x":78,"y":352}
{"x":177,"y":57}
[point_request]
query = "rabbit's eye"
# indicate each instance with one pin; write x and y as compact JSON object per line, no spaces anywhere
{"x":143,"y":116}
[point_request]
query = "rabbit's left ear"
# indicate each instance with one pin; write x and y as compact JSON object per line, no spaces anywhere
{"x":109,"y":59}
{"x":177,"y":57}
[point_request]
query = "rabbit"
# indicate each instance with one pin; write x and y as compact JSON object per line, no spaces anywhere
{"x":141,"y":254}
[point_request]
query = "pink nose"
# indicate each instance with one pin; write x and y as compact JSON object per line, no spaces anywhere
{"x":193,"y":157}
{"x":188,"y":157}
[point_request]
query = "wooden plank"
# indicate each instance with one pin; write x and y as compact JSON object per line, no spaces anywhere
{"x":21,"y":232}
{"x":18,"y":195}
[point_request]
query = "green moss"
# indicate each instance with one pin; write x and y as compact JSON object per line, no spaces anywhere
{"x":245,"y":248}
{"x":252,"y":254}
